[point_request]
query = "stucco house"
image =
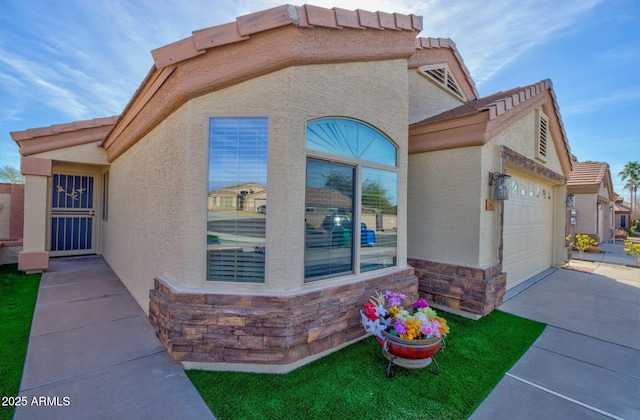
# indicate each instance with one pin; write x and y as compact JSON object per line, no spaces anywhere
{"x":591,"y":201}
{"x":356,"y":129}
{"x":622,"y":213}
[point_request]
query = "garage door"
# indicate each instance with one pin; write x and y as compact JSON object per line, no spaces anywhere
{"x":528,"y":229}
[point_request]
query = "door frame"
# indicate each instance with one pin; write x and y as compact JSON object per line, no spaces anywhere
{"x":77,"y":170}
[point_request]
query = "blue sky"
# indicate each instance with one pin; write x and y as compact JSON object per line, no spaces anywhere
{"x":68,"y":60}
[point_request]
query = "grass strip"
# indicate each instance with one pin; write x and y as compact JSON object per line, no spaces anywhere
{"x":352,"y":382}
{"x":18,"y":293}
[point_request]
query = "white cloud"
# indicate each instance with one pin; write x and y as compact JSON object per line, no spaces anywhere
{"x":613,"y":100}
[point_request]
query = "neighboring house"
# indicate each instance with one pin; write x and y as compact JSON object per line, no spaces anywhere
{"x":591,"y":200}
{"x":246,"y":197}
{"x":622,"y":214}
{"x":354,"y":127}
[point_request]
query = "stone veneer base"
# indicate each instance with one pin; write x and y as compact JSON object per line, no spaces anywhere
{"x":473,"y":290}
{"x":276,"y":330}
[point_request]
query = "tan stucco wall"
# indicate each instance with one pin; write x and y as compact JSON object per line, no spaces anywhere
{"x":448,"y":190}
{"x":35,"y":213}
{"x":586,"y":204}
{"x":158,"y":191}
{"x":5,"y":212}
{"x":445,"y":196}
{"x":89,"y":154}
{"x":426,"y":99}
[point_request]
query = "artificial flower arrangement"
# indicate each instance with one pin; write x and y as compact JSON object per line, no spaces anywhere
{"x":384,"y":312}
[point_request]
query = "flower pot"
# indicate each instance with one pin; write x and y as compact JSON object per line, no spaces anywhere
{"x":409,"y":349}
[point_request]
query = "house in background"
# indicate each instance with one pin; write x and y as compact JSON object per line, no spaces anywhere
{"x":624,"y":219}
{"x":591,"y":201}
{"x":357,"y":129}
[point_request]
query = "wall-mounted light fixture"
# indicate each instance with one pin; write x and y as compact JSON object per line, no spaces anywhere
{"x":571,"y":200}
{"x":599,"y":206}
{"x":501,"y":183}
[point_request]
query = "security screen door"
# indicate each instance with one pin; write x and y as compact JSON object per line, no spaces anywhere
{"x":72,"y":214}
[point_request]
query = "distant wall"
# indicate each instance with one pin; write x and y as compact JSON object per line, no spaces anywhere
{"x":11,"y":222}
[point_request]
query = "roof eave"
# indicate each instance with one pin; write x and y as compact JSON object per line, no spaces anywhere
{"x":172,"y":82}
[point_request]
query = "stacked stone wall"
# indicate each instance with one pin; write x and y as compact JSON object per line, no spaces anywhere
{"x":473,"y":290}
{"x":278,"y":330}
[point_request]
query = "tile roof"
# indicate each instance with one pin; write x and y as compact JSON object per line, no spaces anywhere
{"x":38,"y":140}
{"x":496,"y":104}
{"x":475,"y":122}
{"x":435,"y":43}
{"x":301,"y":16}
{"x":588,"y":173}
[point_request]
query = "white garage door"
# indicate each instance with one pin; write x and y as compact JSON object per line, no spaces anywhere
{"x":528,"y":229}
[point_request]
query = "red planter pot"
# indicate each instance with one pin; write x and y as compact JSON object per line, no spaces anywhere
{"x":409,"y":349}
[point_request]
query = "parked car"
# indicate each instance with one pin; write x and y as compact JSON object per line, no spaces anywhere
{"x":336,"y":221}
{"x":367,"y":237}
{"x":262,"y":209}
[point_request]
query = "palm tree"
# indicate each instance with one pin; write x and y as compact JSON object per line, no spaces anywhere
{"x":11,"y":175}
{"x":631,"y":174}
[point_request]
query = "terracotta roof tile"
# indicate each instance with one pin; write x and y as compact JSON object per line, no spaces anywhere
{"x":425,"y":43}
{"x":302,"y":16}
{"x":588,"y":173}
{"x":33,"y":133}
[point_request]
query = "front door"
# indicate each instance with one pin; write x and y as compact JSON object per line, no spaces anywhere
{"x":72,"y":214}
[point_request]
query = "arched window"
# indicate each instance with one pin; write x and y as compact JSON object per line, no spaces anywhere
{"x":351,"y":199}
{"x":350,"y":138}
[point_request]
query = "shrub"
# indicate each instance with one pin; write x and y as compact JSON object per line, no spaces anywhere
{"x":581,"y":243}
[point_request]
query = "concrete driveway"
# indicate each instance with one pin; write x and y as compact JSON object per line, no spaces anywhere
{"x":586,"y":364}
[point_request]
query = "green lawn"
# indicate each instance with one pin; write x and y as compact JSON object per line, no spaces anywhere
{"x":17,"y":300}
{"x":352,"y":383}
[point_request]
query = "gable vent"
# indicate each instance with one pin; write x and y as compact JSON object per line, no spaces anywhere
{"x":441,"y":74}
{"x":543,"y":135}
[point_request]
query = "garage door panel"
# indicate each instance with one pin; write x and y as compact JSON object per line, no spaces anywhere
{"x":527,"y":229}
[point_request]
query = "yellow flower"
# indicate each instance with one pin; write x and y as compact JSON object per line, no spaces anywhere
{"x":444,"y":328}
{"x":394,"y":311}
{"x":413,"y":329}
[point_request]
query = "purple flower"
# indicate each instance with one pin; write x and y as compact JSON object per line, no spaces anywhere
{"x":421,"y":303}
{"x":394,"y":299}
{"x":399,"y":327}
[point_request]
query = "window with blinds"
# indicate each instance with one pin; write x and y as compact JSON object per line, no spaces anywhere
{"x":351,"y":199}
{"x":237,"y":199}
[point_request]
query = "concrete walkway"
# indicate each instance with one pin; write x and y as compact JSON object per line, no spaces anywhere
{"x":586,"y":363}
{"x":93,"y":352}
{"x":609,"y":254}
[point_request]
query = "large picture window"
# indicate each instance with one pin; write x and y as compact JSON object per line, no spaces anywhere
{"x":237,"y":199}
{"x":351,"y":199}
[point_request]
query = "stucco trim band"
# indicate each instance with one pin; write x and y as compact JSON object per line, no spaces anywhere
{"x":33,"y":261}
{"x":477,"y":291}
{"x":36,"y":166}
{"x":267,"y":330}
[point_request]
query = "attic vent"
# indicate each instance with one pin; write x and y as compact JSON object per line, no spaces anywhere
{"x":441,"y":74}
{"x":543,"y":135}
